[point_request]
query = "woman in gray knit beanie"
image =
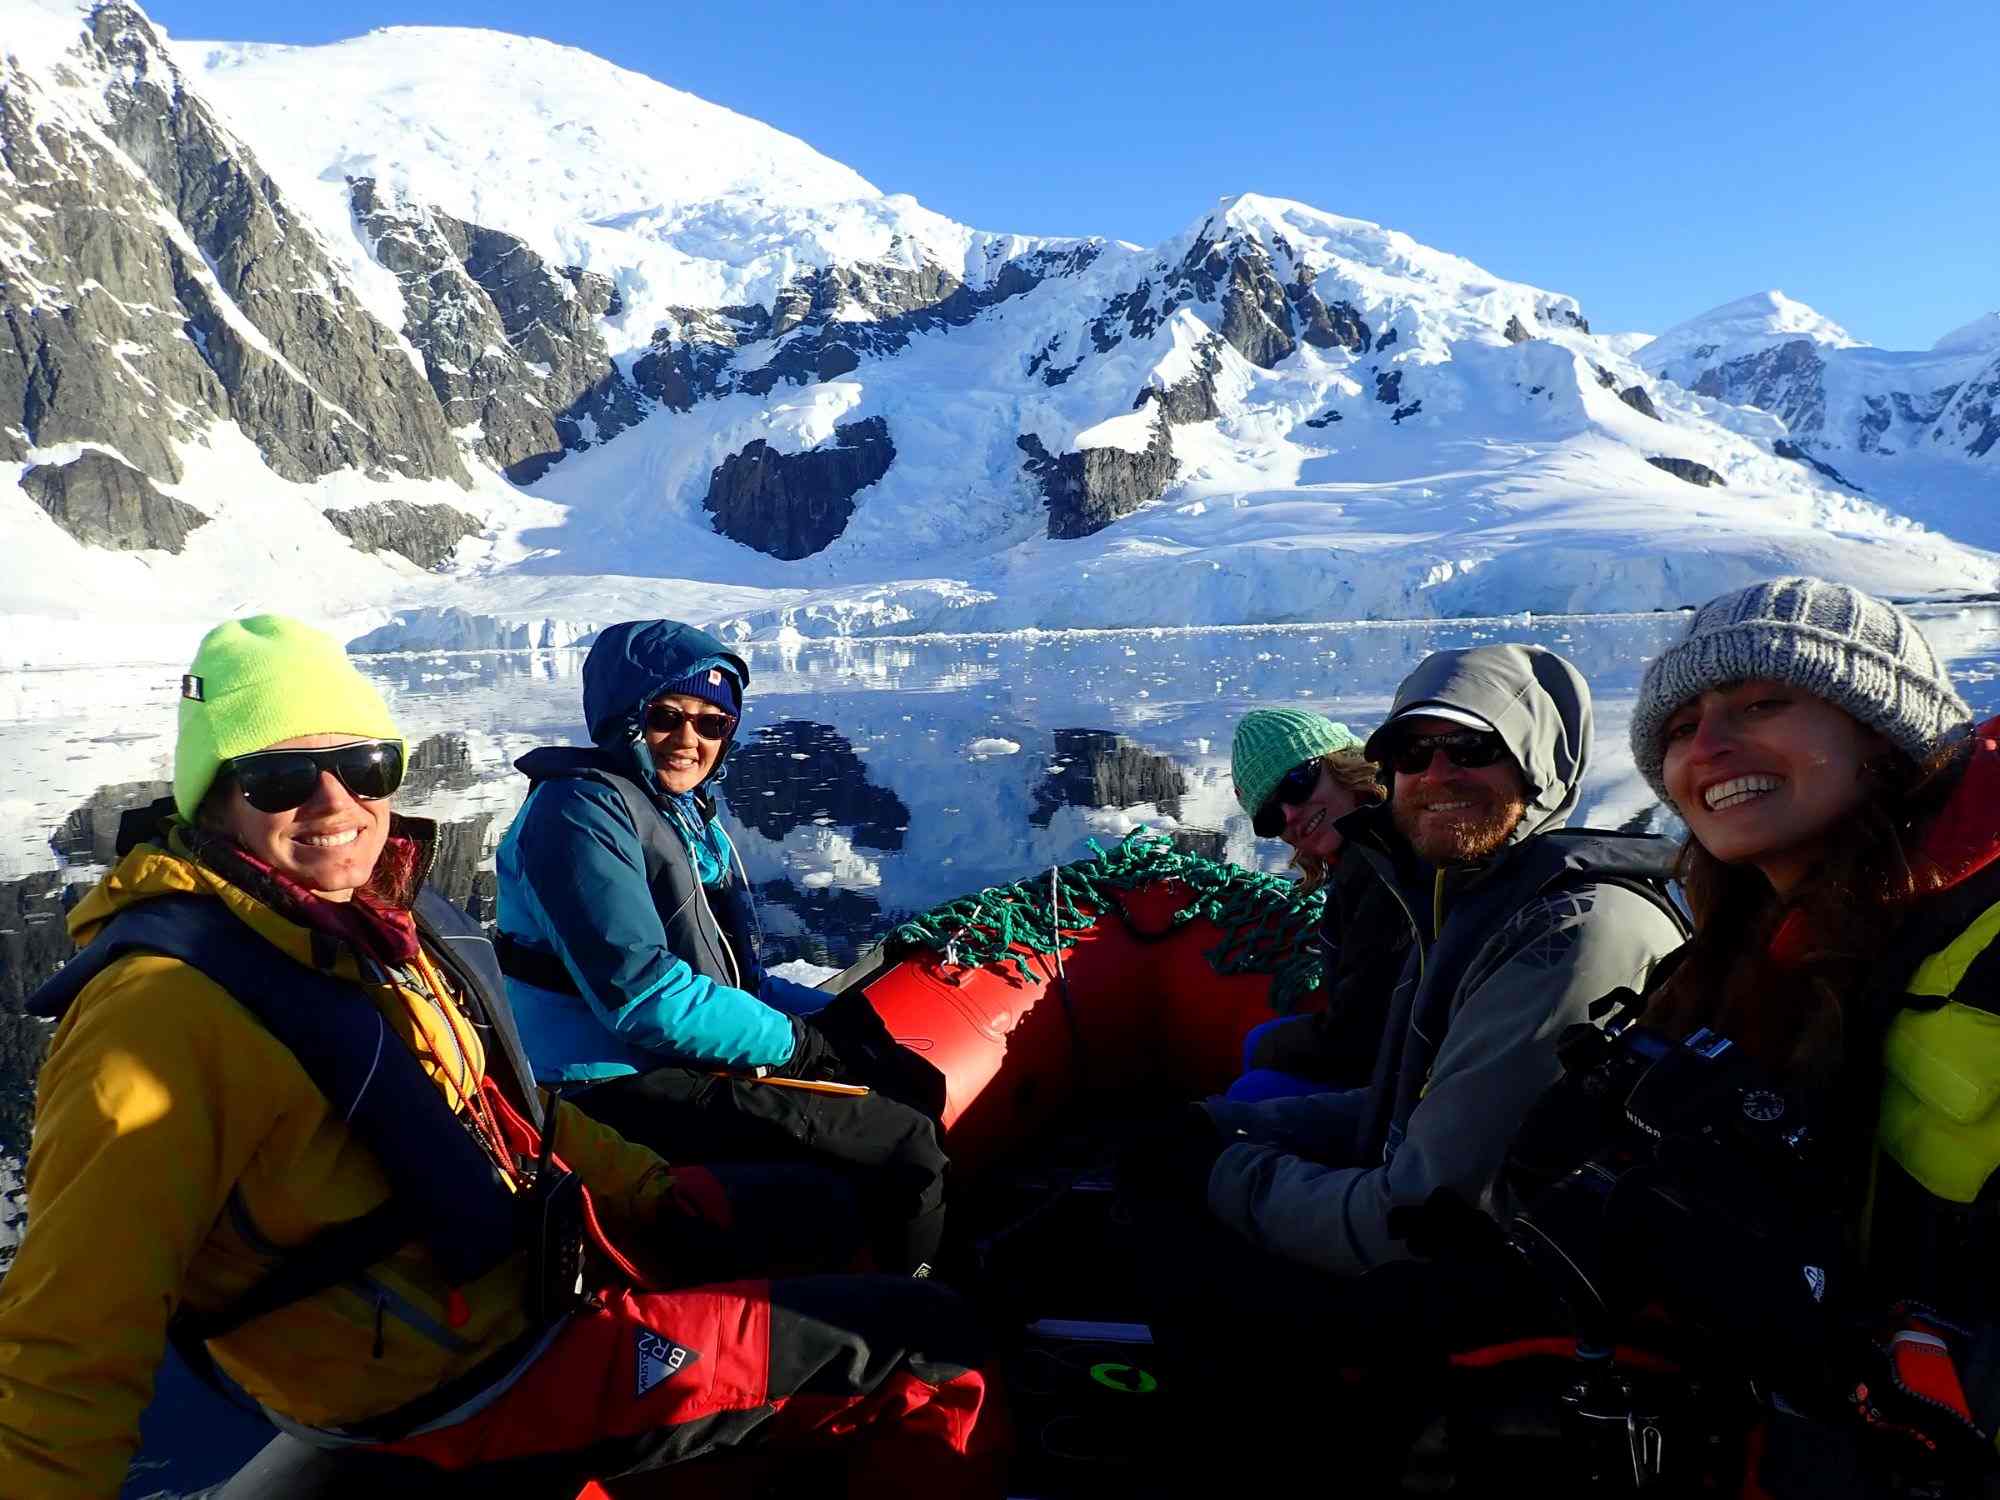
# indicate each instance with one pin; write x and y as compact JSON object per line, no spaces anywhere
{"x":1803,"y":730}
{"x":1843,"y":871}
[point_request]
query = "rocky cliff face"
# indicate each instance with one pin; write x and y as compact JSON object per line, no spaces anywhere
{"x":510,"y":344}
{"x":821,"y":325}
{"x":1687,"y":469}
{"x":1086,"y":491}
{"x":105,"y":503}
{"x":1094,"y":768}
{"x":1971,"y":423}
{"x":153,"y":280}
{"x":1832,"y":392}
{"x":792,"y":505}
{"x":425,"y":534}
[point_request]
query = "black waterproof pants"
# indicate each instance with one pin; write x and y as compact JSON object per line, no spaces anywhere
{"x":887,"y":1152}
{"x":1324,"y":1370}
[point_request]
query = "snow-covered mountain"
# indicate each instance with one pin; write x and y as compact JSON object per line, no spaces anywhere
{"x":294,"y":326}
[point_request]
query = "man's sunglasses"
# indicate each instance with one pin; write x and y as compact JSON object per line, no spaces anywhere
{"x":664,"y":718}
{"x":275,"y":781}
{"x":1468,"y":749}
{"x":1293,"y":788}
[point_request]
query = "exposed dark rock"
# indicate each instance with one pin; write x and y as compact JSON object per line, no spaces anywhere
{"x":1605,"y":378}
{"x":1337,"y":327}
{"x":1388,"y":337}
{"x":1191,"y":399}
{"x":1786,"y":380}
{"x":1635,"y":397}
{"x":797,"y":772}
{"x":1798,"y":455}
{"x":1256,"y":317}
{"x":814,"y":322}
{"x":24,"y":1041}
{"x":510,"y":344}
{"x":690,"y":353}
{"x":1389,"y":386}
{"x":791,"y":505}
{"x":1094,"y":768}
{"x":313,"y":379}
{"x":1325,"y":419}
{"x":1201,"y":272}
{"x":1971,"y":423}
{"x":89,"y":835}
{"x":1401,"y":412}
{"x":1563,"y":315}
{"x":455,"y":869}
{"x":1135,"y":309}
{"x":104,"y":503}
{"x":1087,"y":491}
{"x":1516,"y":333}
{"x":1688,"y":469}
{"x":33,"y":938}
{"x":425,"y":534}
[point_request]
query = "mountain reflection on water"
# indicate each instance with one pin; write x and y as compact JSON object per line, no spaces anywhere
{"x":871,"y":779}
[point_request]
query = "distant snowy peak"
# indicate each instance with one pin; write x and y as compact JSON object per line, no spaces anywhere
{"x":680,"y":203}
{"x":1757,"y":321}
{"x":1831,"y":391}
{"x":1980,"y":336}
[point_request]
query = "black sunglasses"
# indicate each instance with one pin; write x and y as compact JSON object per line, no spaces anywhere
{"x":1468,"y":749}
{"x":664,"y":718}
{"x":1293,"y":788}
{"x":275,"y":781}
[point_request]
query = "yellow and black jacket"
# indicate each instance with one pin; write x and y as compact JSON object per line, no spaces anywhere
{"x":180,"y":1150}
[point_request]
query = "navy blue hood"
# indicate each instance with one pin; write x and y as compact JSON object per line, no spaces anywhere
{"x":630,"y":663}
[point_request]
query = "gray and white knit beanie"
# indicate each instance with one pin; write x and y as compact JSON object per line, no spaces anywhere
{"x":1837,"y":643}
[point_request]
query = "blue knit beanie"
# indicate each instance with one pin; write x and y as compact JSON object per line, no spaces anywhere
{"x":717,"y":685}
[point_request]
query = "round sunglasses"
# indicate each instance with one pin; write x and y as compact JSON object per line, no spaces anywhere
{"x":664,"y":718}
{"x":1468,"y":749}
{"x":1293,"y":788}
{"x":275,"y":781}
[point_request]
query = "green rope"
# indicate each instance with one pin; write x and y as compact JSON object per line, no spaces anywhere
{"x":1266,"y":923}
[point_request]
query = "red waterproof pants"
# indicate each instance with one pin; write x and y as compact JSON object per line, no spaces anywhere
{"x":883,"y":1367}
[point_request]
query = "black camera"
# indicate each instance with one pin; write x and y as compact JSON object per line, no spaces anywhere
{"x":1676,"y":1174}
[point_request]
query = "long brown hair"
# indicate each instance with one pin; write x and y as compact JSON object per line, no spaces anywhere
{"x":1361,"y":776}
{"x":1793,"y":1002}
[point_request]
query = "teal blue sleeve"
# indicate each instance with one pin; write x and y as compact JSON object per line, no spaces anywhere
{"x":573,"y":880}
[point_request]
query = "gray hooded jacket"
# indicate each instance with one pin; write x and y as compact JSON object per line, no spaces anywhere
{"x":1506,"y":954}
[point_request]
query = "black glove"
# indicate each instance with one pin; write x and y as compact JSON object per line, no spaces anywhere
{"x":812,"y":1054}
{"x":1171,"y":1162}
{"x":871,"y":1055}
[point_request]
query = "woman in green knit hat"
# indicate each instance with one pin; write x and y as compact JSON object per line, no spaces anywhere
{"x":1298,"y":774}
{"x":286,"y":1122}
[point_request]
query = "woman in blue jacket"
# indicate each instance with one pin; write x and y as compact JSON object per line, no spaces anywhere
{"x":625,"y":928}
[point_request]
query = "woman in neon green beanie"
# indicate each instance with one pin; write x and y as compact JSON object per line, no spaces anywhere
{"x":1297,"y":774}
{"x":285,"y":1120}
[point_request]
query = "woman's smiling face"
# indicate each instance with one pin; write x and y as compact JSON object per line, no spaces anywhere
{"x":1765,"y":774}
{"x":1309,"y":824}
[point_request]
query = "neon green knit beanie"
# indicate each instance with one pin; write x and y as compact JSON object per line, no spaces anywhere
{"x":255,"y":682}
{"x":1270,"y":741}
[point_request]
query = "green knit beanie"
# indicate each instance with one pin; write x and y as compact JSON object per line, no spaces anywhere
{"x":1270,"y":741}
{"x":255,"y":682}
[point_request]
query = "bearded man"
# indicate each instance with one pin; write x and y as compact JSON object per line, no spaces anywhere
{"x":1517,"y":924}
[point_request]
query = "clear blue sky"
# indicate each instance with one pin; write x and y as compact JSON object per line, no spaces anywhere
{"x":1651,"y":160}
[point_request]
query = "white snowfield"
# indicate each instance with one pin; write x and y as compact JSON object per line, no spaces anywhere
{"x":1488,"y":474}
